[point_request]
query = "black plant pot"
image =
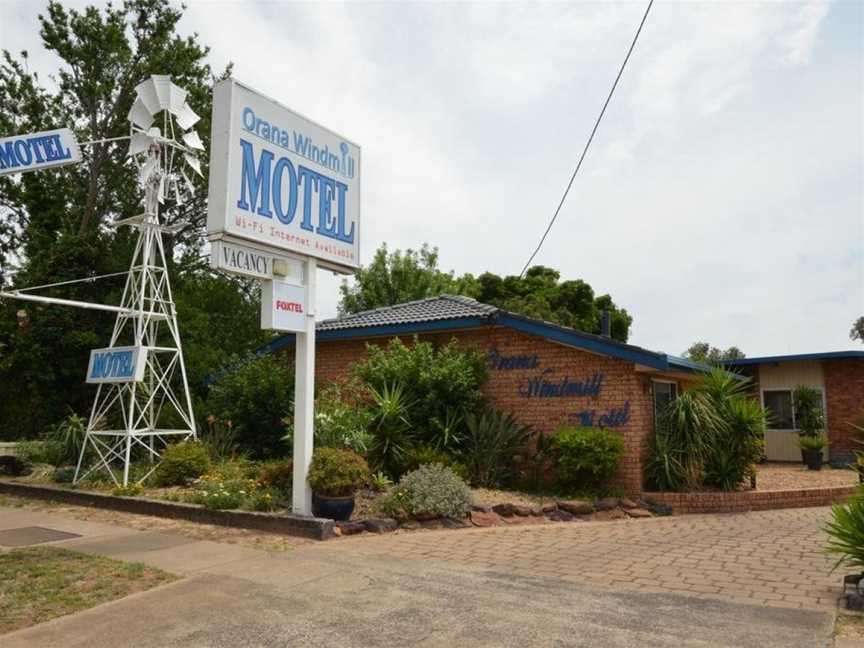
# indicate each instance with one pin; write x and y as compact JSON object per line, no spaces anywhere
{"x":812,"y":459}
{"x":333,"y":508}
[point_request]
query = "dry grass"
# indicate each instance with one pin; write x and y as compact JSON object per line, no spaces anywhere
{"x":42,"y":583}
{"x":849,"y":625}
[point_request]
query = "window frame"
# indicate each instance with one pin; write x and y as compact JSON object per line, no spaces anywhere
{"x":655,"y":381}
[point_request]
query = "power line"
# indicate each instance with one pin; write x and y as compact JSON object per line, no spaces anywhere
{"x":590,"y":139}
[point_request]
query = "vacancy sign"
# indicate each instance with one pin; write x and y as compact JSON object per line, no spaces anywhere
{"x":43,"y":150}
{"x":283,"y":306}
{"x":117,"y":365}
{"x":253,"y":262}
{"x":281,"y":180}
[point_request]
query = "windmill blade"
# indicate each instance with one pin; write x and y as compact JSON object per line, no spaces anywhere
{"x":186,"y":117}
{"x":189,"y":186}
{"x":177,"y":99}
{"x":140,"y":115}
{"x":146,"y":92}
{"x":162,"y":84}
{"x":193,"y":162}
{"x":139,"y":143}
{"x":192,"y":140}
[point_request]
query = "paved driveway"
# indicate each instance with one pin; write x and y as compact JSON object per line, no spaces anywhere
{"x":567,"y":585}
{"x":771,"y":558}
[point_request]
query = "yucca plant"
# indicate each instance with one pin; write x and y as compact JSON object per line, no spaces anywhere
{"x":846,"y":531}
{"x":492,"y":447}
{"x":391,"y":431}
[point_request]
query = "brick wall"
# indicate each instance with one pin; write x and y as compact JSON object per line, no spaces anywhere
{"x":622,"y":388}
{"x":844,"y":401}
{"x":739,"y":502}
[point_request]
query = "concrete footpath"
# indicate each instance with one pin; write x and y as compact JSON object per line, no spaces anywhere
{"x":235,"y":596}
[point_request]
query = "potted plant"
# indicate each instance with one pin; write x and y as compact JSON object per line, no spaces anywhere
{"x":335,"y":476}
{"x":811,"y":450}
{"x":810,"y":421}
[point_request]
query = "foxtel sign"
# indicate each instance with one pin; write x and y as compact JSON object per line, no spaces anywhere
{"x":281,"y":180}
{"x":283,"y":306}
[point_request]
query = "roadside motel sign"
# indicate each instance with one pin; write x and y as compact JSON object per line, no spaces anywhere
{"x":284,"y":198}
{"x":35,"y":151}
{"x":117,"y":365}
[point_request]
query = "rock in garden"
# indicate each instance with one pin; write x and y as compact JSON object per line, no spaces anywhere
{"x":627,"y":503}
{"x":576,"y":507}
{"x":483,"y":519}
{"x":410,"y":525}
{"x":504,"y":510}
{"x":611,"y":514}
{"x":523,"y":511}
{"x":380,"y":525}
{"x":434,"y":523}
{"x":559,"y":515}
{"x":537,"y":511}
{"x":337,"y":531}
{"x":351,"y":527}
{"x":453,"y":523}
{"x":639,"y":513}
{"x":606,"y":503}
{"x":481,"y":508}
{"x":551,"y":506}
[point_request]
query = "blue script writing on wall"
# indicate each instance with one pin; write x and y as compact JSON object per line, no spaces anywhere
{"x":544,"y":386}
{"x":500,"y":362}
{"x":614,"y":417}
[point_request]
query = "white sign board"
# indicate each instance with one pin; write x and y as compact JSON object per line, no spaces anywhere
{"x":282,"y":180}
{"x":283,"y":306}
{"x":253,"y":262}
{"x":117,"y":365}
{"x":21,"y":153}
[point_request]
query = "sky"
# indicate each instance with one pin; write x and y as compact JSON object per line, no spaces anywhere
{"x":721,"y":200}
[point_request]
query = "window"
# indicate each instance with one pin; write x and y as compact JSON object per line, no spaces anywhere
{"x":781,"y":413}
{"x":664,"y":393}
{"x":779,"y":404}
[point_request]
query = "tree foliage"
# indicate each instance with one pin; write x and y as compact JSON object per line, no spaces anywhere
{"x":55,"y":225}
{"x":857,"y":331}
{"x":704,"y":352}
{"x":396,"y":277}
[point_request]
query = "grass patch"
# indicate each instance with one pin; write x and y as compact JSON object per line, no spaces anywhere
{"x":42,"y":583}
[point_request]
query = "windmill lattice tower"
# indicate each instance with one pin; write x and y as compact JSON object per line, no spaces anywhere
{"x":133,"y":418}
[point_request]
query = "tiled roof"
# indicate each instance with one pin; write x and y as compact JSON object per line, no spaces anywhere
{"x":445,"y":307}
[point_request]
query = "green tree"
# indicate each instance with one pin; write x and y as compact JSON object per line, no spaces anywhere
{"x":55,"y":225}
{"x":396,"y":277}
{"x":704,"y":352}
{"x":857,"y":332}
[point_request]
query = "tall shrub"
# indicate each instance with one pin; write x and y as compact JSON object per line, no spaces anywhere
{"x":809,"y":417}
{"x":255,"y":398}
{"x":492,"y":448}
{"x":441,"y":383}
{"x":586,"y":457}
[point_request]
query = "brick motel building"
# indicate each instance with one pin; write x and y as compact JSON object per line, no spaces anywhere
{"x":549,"y":375}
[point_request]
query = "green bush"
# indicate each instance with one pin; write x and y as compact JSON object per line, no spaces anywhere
{"x":181,"y":462}
{"x":809,"y":416}
{"x":132,"y":490}
{"x":586,"y":457}
{"x":337,"y":473}
{"x":219,"y":439}
{"x":846,"y":531}
{"x":219,"y":495}
{"x":70,"y":433}
{"x":492,"y":447}
{"x":46,"y":451}
{"x":63,"y":475}
{"x":422,"y":455}
{"x":278,"y":475}
{"x":440,"y":383}
{"x":431,"y":490}
{"x":809,"y":443}
{"x":255,"y":398}
{"x":392,"y":436}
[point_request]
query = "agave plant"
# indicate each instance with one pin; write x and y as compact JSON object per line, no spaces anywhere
{"x":492,"y":446}
{"x":391,"y":431}
{"x":846,"y":531}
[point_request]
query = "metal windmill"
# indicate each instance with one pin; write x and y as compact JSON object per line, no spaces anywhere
{"x":142,"y":415}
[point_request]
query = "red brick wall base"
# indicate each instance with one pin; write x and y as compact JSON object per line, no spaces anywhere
{"x":716,"y":502}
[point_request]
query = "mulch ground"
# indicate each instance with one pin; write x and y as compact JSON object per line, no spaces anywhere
{"x":792,"y":476}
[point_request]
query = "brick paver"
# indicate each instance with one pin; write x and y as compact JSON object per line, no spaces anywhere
{"x":770,"y":558}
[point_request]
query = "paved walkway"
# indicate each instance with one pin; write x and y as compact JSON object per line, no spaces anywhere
{"x":568,"y":585}
{"x":769,"y":558}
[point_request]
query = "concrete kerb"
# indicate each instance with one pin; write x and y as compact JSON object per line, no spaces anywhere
{"x":288,"y":524}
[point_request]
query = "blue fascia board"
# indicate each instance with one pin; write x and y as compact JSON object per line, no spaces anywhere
{"x":828,"y":355}
{"x":585,"y":341}
{"x":687,"y":365}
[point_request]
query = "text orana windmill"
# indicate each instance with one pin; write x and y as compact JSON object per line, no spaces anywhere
{"x":142,"y":395}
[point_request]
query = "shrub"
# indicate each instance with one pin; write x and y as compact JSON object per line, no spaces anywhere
{"x":63,"y":475}
{"x":70,"y":434}
{"x":46,"y":451}
{"x":846,"y":531}
{"x":440,"y":382}
{"x":181,"y":462}
{"x":380,"y":482}
{"x":337,"y":473}
{"x":431,"y":490}
{"x":278,"y":475}
{"x":586,"y":457}
{"x":132,"y":490}
{"x":255,"y":398}
{"x":340,"y":419}
{"x":219,"y":495}
{"x":492,"y":446}
{"x":807,"y":403}
{"x":219,"y":439}
{"x":422,"y":455}
{"x":810,"y":443}
{"x":233,"y":469}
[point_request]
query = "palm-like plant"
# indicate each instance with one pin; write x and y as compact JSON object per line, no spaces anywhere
{"x":846,"y":531}
{"x":392,"y":434}
{"x":492,"y":446}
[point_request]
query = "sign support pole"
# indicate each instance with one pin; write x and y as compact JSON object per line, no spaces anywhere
{"x":304,"y":398}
